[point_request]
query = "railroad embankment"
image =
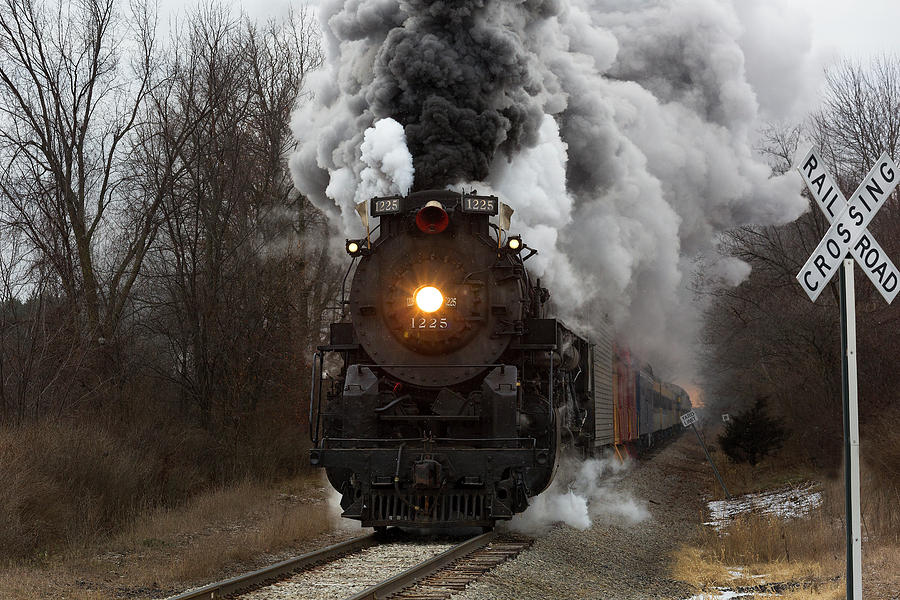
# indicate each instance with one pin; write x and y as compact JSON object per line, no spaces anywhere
{"x":782,"y":536}
{"x":218,"y":533}
{"x":789,"y":544}
{"x":95,"y":511}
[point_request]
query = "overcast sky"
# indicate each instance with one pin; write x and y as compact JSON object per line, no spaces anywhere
{"x":850,"y":28}
{"x":843,"y":27}
{"x":820,"y":32}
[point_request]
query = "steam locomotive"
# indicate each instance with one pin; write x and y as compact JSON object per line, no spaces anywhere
{"x":456,"y":393}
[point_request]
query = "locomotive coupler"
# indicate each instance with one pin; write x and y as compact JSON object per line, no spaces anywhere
{"x":426,"y":474}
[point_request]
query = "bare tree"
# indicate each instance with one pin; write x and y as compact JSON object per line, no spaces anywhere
{"x":233,"y":257}
{"x":765,"y":337}
{"x":859,"y":118}
{"x":73,"y":96}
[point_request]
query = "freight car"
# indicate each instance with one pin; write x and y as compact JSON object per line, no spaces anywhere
{"x":455,"y":392}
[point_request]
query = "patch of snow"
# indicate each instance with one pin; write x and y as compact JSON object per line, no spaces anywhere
{"x":786,"y":503}
{"x":741,"y":573}
{"x":724,"y":594}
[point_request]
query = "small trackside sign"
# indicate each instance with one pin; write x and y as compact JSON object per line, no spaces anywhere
{"x":688,"y":418}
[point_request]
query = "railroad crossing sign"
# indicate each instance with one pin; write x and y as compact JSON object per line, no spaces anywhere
{"x":847,"y":233}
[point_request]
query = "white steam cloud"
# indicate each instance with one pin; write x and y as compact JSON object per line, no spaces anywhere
{"x":335,"y":511}
{"x":621,"y":132}
{"x":386,"y":168}
{"x":582,"y":492}
{"x":389,"y":165}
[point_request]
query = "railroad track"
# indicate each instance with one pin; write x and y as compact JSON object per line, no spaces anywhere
{"x":370,"y":567}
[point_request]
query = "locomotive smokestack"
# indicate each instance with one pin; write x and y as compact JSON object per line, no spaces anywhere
{"x":462,"y":84}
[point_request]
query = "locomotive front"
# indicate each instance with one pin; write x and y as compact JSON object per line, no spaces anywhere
{"x":443,"y":411}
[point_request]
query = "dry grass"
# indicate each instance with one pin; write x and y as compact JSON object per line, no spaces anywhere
{"x":807,"y":553}
{"x":827,"y":592}
{"x":60,"y":483}
{"x":166,"y":550}
{"x":70,"y":483}
{"x":757,"y":538}
{"x":245,"y":527}
{"x":24,"y":583}
{"x":881,"y":571}
{"x":692,"y":567}
{"x":221,"y":528}
{"x":772,"y":472}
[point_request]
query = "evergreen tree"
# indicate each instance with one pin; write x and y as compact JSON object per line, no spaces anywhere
{"x":752,"y":434}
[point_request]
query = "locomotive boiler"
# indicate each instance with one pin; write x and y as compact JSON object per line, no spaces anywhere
{"x":456,"y":392}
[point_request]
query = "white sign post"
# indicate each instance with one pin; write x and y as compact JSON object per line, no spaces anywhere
{"x":847,"y":235}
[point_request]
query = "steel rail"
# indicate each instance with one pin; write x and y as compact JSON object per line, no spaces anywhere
{"x":221,"y":589}
{"x":412,"y":575}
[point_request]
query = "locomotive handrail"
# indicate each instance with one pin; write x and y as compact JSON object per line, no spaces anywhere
{"x":550,"y":391}
{"x":312,"y":393}
{"x":344,"y":287}
{"x":315,"y":396}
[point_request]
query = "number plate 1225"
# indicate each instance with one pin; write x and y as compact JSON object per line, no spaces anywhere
{"x":428,"y":323}
{"x":385,"y":206}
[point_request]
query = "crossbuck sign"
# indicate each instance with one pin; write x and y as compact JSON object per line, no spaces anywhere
{"x":847,"y":235}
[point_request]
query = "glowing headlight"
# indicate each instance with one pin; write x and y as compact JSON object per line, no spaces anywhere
{"x":429,"y":299}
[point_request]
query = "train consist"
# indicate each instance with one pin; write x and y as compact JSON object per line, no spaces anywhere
{"x":457,"y":393}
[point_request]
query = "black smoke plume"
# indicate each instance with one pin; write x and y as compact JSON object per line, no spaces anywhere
{"x":461,"y":84}
{"x":621,"y":131}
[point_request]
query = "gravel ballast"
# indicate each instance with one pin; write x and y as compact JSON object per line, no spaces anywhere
{"x":614,"y":559}
{"x":351,"y":574}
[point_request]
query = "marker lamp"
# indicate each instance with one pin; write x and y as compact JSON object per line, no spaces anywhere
{"x":354,"y":247}
{"x":514,"y":244}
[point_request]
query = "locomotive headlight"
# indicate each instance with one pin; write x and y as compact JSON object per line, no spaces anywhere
{"x":514,"y":244}
{"x":429,"y":299}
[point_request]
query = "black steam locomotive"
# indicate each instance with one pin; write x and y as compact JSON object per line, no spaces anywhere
{"x":455,"y":394}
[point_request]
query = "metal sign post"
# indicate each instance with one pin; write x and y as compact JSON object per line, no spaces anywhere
{"x":689,"y":419}
{"x":847,"y":236}
{"x":851,"y":432}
